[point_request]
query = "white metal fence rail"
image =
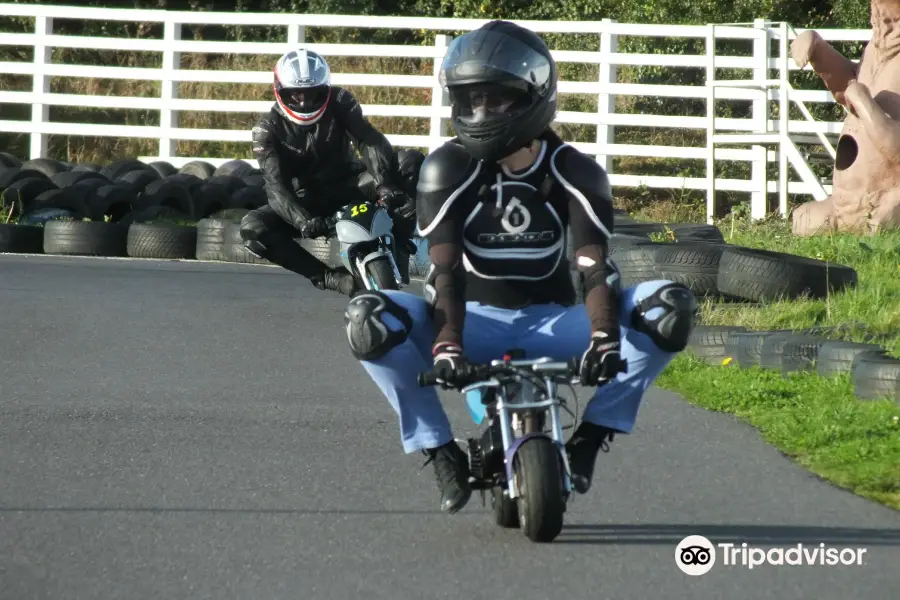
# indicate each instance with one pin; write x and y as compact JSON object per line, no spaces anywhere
{"x":606,"y":88}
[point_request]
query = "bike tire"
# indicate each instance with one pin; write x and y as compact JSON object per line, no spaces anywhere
{"x":381,"y":274}
{"x":539,"y":479}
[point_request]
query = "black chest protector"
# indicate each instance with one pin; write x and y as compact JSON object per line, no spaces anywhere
{"x":515,"y":238}
{"x":512,"y":230}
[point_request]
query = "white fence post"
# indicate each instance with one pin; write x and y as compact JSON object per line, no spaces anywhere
{"x":606,"y":103}
{"x":710,"y":123}
{"x":40,"y":113}
{"x":296,"y":35}
{"x":759,"y":197}
{"x":438,"y":96}
{"x":784,"y":107}
{"x":171,"y":62}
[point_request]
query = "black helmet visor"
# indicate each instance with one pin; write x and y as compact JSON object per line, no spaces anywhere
{"x":480,"y":102}
{"x":304,"y":99}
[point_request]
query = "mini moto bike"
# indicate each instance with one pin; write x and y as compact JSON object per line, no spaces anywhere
{"x":523,"y":467}
{"x":368,"y":246}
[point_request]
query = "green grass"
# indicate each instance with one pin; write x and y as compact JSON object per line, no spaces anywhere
{"x":816,"y":421}
{"x":875,"y":301}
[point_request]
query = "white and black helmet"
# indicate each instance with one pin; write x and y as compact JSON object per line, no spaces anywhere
{"x":302,"y":86}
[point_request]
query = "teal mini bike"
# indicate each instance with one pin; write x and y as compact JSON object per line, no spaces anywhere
{"x":520,"y":458}
{"x":368,"y":246}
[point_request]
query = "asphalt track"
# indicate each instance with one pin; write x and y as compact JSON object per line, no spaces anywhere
{"x":189,"y":430}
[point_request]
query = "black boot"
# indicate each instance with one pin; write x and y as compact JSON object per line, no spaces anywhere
{"x":451,"y":467}
{"x":336,"y":280}
{"x":405,"y":246}
{"x":287,"y":253}
{"x":402,"y":258}
{"x":582,"y":449}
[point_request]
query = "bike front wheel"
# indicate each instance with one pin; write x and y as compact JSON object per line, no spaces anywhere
{"x":539,"y":480}
{"x":380,"y":274}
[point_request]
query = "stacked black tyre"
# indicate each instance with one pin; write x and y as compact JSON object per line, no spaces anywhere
{"x":873,"y":372}
{"x":137,"y":209}
{"x":27,"y":187}
{"x":125,"y":208}
{"x":697,"y":256}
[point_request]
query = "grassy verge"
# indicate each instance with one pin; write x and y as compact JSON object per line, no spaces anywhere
{"x":814,"y":420}
{"x":875,"y":302}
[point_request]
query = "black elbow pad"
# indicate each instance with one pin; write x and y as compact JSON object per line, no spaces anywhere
{"x":441,"y":279}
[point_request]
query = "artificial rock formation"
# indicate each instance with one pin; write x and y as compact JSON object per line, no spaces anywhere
{"x":866,"y":181}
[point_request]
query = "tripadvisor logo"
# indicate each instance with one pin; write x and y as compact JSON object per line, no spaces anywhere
{"x":695,"y":555}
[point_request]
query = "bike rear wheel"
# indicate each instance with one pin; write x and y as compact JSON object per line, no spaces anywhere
{"x":380,"y":273}
{"x":506,"y":511}
{"x":541,"y":504}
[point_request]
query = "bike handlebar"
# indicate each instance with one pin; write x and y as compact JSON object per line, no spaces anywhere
{"x":481,"y":372}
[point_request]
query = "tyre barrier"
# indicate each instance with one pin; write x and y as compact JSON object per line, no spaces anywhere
{"x":714,"y":269}
{"x":124,"y":191}
{"x":873,"y":372}
{"x":128,"y":191}
{"x":710,"y":269}
{"x":115,"y":211}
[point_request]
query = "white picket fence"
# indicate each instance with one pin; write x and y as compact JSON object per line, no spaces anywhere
{"x":761,"y":89}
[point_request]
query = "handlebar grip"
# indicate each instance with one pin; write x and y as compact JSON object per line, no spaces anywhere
{"x":428,"y":378}
{"x":474,"y":372}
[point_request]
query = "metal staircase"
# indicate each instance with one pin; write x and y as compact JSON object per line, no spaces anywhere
{"x":774,"y":138}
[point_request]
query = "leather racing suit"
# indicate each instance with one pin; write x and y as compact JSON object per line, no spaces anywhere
{"x":312,"y":171}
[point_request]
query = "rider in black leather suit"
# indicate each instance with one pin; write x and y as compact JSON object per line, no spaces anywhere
{"x":303,"y":146}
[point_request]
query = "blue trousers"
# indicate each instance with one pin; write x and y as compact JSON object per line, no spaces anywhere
{"x":541,"y":330}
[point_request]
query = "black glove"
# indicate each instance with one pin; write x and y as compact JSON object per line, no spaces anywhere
{"x":449,"y":364}
{"x":396,"y":200}
{"x":602,"y":360}
{"x":316,"y":227}
{"x":407,"y":210}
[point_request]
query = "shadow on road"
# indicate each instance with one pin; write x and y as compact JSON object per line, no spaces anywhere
{"x":661,"y":534}
{"x":199,"y":509}
{"x":752,"y":534}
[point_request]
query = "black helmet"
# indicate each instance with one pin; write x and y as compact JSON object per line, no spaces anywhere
{"x":501,"y":79}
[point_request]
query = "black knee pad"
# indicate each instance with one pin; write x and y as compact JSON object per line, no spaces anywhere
{"x":252,"y":227}
{"x":670,"y":330}
{"x":369,"y":336}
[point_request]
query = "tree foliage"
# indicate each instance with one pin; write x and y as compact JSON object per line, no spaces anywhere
{"x":803,"y":13}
